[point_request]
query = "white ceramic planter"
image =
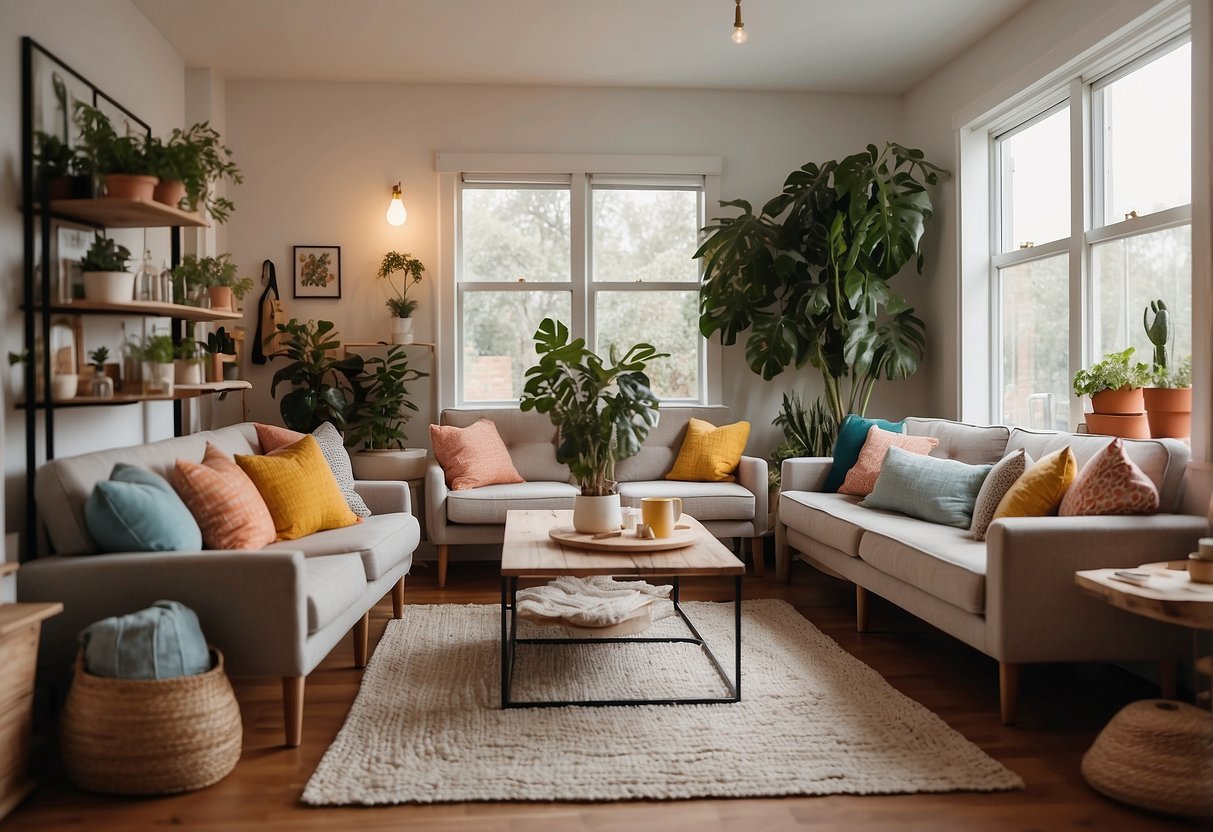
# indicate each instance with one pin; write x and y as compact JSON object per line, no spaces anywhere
{"x":592,"y":515}
{"x":159,"y":377}
{"x":64,"y":386}
{"x":187,"y":371}
{"x":394,"y":464}
{"x":402,"y":330}
{"x":109,"y":287}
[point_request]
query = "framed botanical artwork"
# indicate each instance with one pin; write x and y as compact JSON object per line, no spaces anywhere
{"x":317,"y":271}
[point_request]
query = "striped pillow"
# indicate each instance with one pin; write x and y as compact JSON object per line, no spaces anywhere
{"x":225,"y":503}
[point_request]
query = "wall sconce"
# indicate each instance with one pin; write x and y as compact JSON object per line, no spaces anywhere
{"x":396,"y":215}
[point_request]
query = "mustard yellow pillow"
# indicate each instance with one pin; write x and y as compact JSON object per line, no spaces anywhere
{"x":1038,"y":491}
{"x":299,"y":489}
{"x":709,"y":453}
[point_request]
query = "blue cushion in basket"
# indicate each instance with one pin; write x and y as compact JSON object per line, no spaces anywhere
{"x":138,"y":511}
{"x":161,"y":642}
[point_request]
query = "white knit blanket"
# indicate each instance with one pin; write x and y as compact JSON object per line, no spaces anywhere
{"x":598,"y":601}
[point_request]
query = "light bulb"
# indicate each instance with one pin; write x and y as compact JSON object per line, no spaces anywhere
{"x":396,"y":215}
{"x":739,"y":35}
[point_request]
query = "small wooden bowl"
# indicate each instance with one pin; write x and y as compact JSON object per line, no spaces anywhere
{"x":1199,"y":570}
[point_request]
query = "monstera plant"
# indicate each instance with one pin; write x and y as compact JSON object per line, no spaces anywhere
{"x":809,"y":276}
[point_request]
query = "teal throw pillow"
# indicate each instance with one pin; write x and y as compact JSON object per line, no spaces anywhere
{"x":138,"y":511}
{"x":852,"y":433}
{"x":936,"y":490}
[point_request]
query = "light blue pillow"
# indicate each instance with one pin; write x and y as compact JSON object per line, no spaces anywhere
{"x":936,"y":490}
{"x":138,"y":511}
{"x":852,"y":433}
{"x":161,"y":642}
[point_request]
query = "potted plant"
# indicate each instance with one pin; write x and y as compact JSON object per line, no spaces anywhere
{"x":188,"y":165}
{"x":101,"y":386}
{"x":1168,"y":401}
{"x":323,"y":383}
{"x":400,"y":304}
{"x":166,"y":162}
{"x":106,"y":278}
{"x":602,"y":415}
{"x":221,"y":348}
{"x":158,"y":353}
{"x":378,"y":417}
{"x":217,"y":275}
{"x":187,"y":364}
{"x":119,"y":161}
{"x":62,"y":173}
{"x":1114,"y":386}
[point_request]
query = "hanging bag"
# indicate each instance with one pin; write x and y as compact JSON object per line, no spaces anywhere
{"x":270,"y":313}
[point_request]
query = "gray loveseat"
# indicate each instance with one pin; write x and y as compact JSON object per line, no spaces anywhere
{"x":1012,"y":596}
{"x":273,"y":612}
{"x":726,"y":509}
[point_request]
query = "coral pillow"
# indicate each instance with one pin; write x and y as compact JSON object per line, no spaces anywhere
{"x":709,"y":453}
{"x":1039,"y":491}
{"x":473,"y":456}
{"x":224,"y":501}
{"x":1110,"y":483}
{"x":272,"y":437}
{"x":1003,"y":475}
{"x":861,"y":479}
{"x":299,"y":489}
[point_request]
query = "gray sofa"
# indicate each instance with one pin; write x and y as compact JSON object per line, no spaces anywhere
{"x":726,"y":509}
{"x":273,"y":612}
{"x":1012,"y":596}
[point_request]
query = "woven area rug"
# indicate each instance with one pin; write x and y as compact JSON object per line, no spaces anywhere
{"x":427,"y":726}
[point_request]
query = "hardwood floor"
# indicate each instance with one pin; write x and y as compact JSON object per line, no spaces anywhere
{"x":1061,"y":710}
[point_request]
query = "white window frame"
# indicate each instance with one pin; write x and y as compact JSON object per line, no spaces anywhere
{"x":577,"y":171}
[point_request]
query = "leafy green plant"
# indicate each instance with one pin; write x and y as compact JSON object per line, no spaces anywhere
{"x":323,"y":384}
{"x":98,"y":357}
{"x":219,"y":342}
{"x":381,"y":397}
{"x":18,"y":357}
{"x":1116,"y":370}
{"x":602,"y":413}
{"x":105,"y":255}
{"x":1176,"y":375}
{"x":103,"y":149}
{"x":186,"y":350}
{"x":805,"y":433}
{"x":54,"y":157}
{"x":157,"y":348}
{"x":411,"y":270}
{"x":198,"y":159}
{"x":809,"y":276}
{"x":195,"y":272}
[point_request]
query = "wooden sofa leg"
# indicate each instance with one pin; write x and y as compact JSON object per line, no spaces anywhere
{"x":1008,"y":691}
{"x":1168,"y":679}
{"x":444,"y":552}
{"x":759,"y":556}
{"x":783,"y":557}
{"x":398,"y":600}
{"x":292,"y":709}
{"x":861,"y":609}
{"x":362,"y":633}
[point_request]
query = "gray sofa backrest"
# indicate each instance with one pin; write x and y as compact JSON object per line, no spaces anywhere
{"x":529,"y":437}
{"x":970,"y":444}
{"x":659,"y":451}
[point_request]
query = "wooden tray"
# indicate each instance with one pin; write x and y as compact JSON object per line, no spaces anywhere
{"x":626,"y":544}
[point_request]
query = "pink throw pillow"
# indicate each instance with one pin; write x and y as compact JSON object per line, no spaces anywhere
{"x":1110,"y":483}
{"x":861,"y":479}
{"x":473,"y":456}
{"x":227,"y":506}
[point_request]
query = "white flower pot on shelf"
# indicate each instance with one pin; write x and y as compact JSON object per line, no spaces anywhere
{"x":158,"y":380}
{"x":64,"y":386}
{"x":187,"y":371}
{"x":592,"y":515}
{"x":390,"y":464}
{"x":402,"y":330}
{"x":109,"y":287}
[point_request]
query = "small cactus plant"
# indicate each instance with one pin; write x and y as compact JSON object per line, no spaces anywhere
{"x":1159,"y":332}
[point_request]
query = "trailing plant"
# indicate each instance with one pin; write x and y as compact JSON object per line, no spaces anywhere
{"x":199,"y":159}
{"x":411,"y":270}
{"x":810,"y":433}
{"x":98,"y":357}
{"x":1116,"y":370}
{"x":204,"y":272}
{"x":105,"y":255}
{"x":323,"y":386}
{"x":381,"y":399}
{"x":602,"y":412}
{"x":103,"y":149}
{"x":809,"y":276}
{"x":219,"y":342}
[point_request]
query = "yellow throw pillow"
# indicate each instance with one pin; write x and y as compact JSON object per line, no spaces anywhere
{"x":299,"y":489}
{"x":709,"y":453}
{"x":1039,"y":490}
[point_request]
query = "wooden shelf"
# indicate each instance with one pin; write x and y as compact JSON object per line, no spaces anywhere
{"x":424,"y":344}
{"x":180,"y":391}
{"x":147,"y":308}
{"x":214,"y":387}
{"x":124,"y":213}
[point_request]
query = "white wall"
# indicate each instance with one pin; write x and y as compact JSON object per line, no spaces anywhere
{"x":321,"y":159}
{"x":113,"y":45}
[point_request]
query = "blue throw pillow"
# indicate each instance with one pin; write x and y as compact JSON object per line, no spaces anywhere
{"x":138,"y":511}
{"x":161,"y":642}
{"x":852,"y":433}
{"x":936,"y":490}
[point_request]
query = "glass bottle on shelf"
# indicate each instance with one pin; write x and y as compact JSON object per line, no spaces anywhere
{"x":147,"y":283}
{"x":132,"y":364}
{"x":166,"y":283}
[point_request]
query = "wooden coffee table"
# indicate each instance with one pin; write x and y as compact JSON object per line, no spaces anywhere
{"x":528,"y":552}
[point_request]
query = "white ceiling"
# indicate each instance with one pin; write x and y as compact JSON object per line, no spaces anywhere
{"x":845,"y":46}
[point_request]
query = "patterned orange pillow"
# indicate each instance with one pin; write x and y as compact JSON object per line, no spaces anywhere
{"x":224,"y":501}
{"x":861,"y":479}
{"x":473,"y":456}
{"x":1110,"y":483}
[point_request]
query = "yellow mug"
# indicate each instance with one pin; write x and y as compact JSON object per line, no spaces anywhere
{"x":660,"y":514}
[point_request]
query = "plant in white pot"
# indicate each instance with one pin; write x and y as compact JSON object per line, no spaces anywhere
{"x":379,"y":414}
{"x":157,"y":352}
{"x":106,"y":278}
{"x":401,"y":305}
{"x":602,"y":415}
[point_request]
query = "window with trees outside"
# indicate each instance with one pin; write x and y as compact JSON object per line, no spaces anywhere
{"x":611,"y":256}
{"x":1131,"y":245}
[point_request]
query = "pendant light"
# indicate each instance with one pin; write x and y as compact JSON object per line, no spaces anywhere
{"x":739,"y":32}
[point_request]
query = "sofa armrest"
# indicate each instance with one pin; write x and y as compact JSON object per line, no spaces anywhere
{"x":752,"y":476}
{"x":1034,"y":609}
{"x":805,"y":473}
{"x":385,"y":496}
{"x":435,"y":503}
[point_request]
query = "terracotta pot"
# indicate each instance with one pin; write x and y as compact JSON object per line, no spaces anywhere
{"x":221,"y":297}
{"x":1126,"y":400}
{"x":1130,"y":426}
{"x":169,"y":191}
{"x":1169,"y":410}
{"x":130,"y":186}
{"x":69,"y":187}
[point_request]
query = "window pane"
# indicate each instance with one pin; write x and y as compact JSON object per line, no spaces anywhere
{"x":1130,"y":273}
{"x":498,"y":342}
{"x":516,"y":233}
{"x":645,"y":235}
{"x":1036,"y":182}
{"x":1035,"y":344}
{"x":1147,"y":134}
{"x":668,"y":321}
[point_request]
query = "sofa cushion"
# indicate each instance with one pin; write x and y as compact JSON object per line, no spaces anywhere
{"x":229,"y":509}
{"x":489,"y":503}
{"x":1110,"y":484}
{"x":936,"y":490}
{"x":1002,"y":476}
{"x":940,"y":560}
{"x":861,"y":479}
{"x":382,"y":541}
{"x":701,"y":500}
{"x":1039,"y":491}
{"x":332,"y":445}
{"x":138,"y":511}
{"x":710,"y":453}
{"x":474,"y":456}
{"x":529,"y":437}
{"x":970,"y":444}
{"x":299,"y":489}
{"x":660,"y":448}
{"x":852,"y":436}
{"x":834,"y":519}
{"x":333,"y":584}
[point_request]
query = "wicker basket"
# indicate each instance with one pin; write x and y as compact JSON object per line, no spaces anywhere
{"x":150,"y":736}
{"x":1157,"y":755}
